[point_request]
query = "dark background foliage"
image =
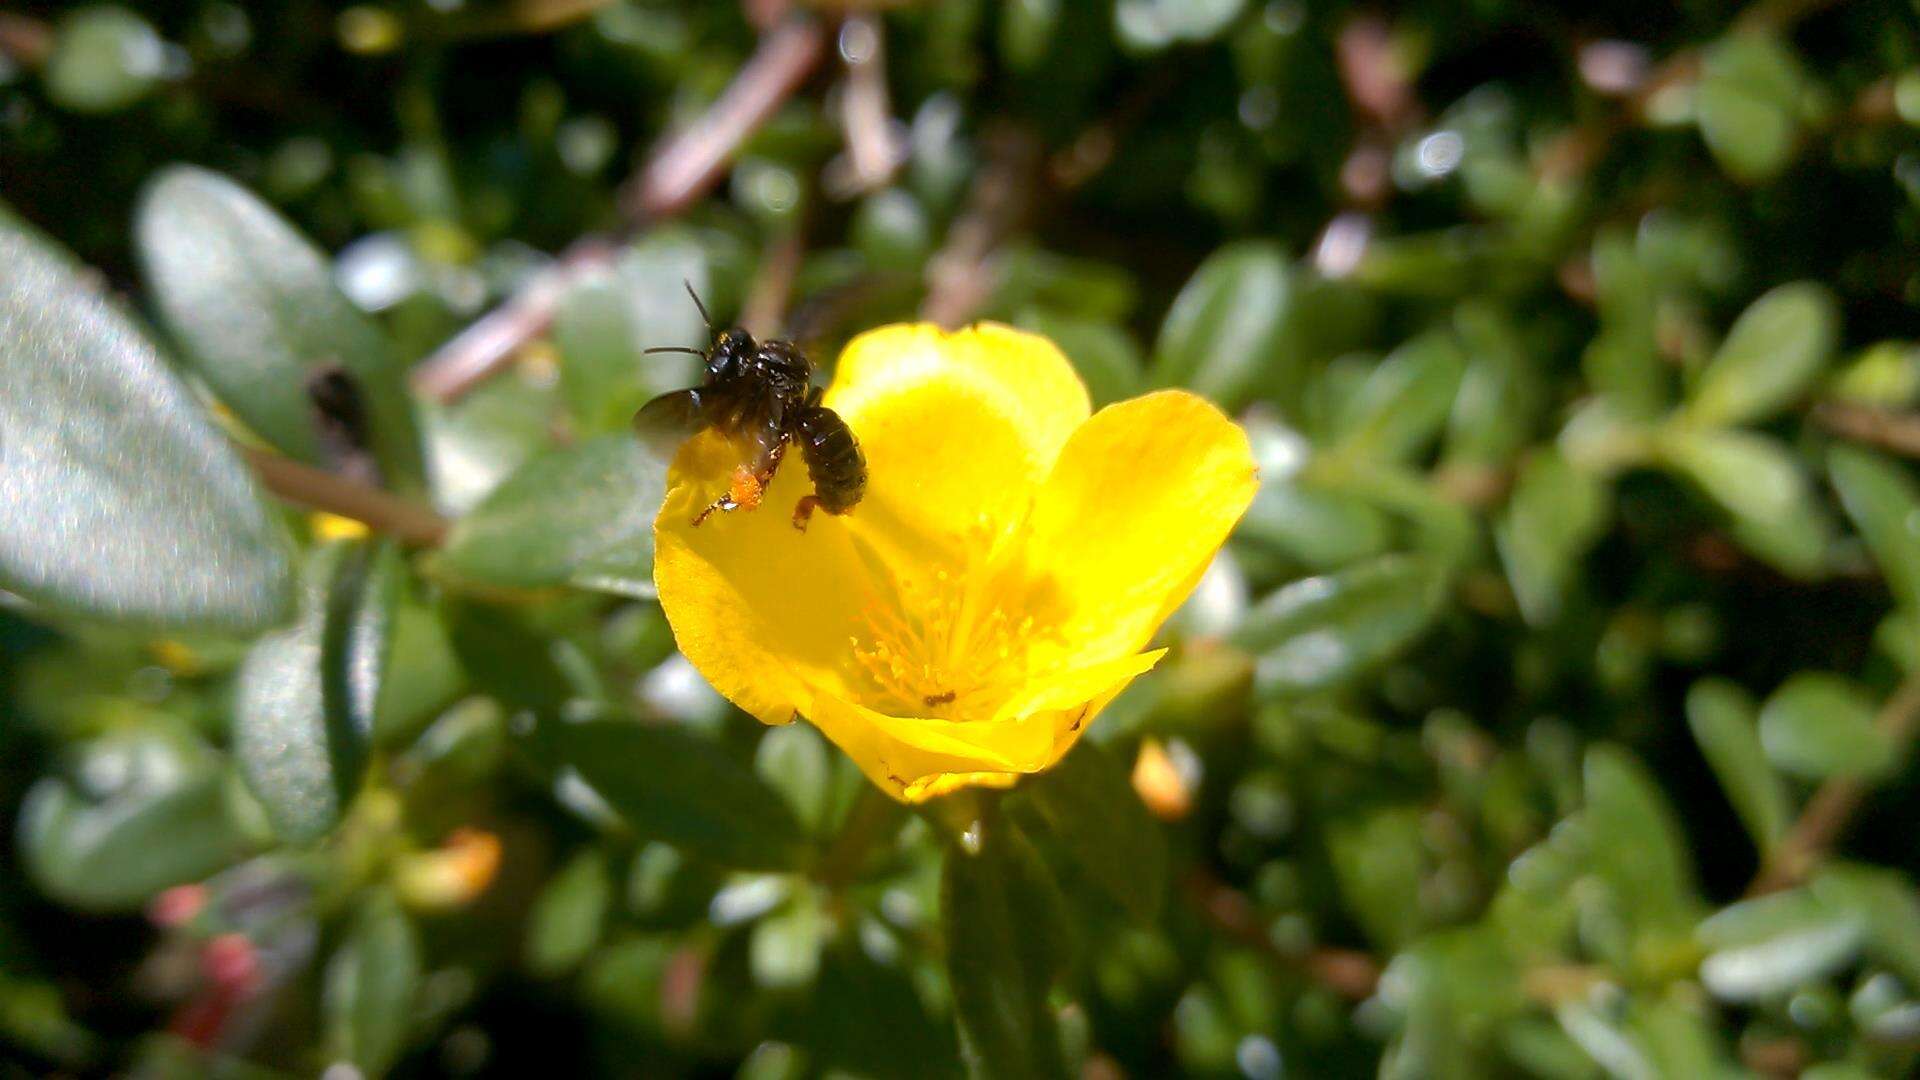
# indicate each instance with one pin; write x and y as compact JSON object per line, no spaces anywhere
{"x":1548,"y":714}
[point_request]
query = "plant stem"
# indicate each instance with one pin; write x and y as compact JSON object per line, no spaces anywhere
{"x":1834,"y":803}
{"x":1887,"y":429}
{"x":318,"y":489}
{"x":688,"y":163}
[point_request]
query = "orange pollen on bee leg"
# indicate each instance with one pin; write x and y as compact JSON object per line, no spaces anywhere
{"x":746,"y":489}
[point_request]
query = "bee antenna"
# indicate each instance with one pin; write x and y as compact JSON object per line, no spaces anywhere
{"x":704,"y":317}
{"x":674,"y":348}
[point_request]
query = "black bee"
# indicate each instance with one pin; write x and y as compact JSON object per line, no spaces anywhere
{"x":761,"y":395}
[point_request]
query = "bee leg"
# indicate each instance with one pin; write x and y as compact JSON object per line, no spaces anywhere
{"x":765,"y":475}
{"x":803,"y":511}
{"x":744,"y":493}
{"x":724,"y":502}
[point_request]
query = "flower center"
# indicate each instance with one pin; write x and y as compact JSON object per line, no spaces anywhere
{"x":953,"y":645}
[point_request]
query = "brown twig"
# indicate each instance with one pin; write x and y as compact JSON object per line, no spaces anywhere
{"x":1834,"y":803}
{"x":764,"y":311}
{"x":490,"y":342}
{"x":688,"y":163}
{"x":1348,"y":972}
{"x":1887,"y":429}
{"x":318,"y":489}
{"x":26,"y":39}
{"x":962,"y":275}
{"x":874,"y":151}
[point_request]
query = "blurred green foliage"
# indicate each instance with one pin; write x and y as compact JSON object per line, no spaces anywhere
{"x":1548,"y":715}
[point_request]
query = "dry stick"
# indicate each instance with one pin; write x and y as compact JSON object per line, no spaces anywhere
{"x":689,"y":163}
{"x":1886,"y":428}
{"x":961,"y":275}
{"x":866,"y":117}
{"x":765,"y":308}
{"x":1834,"y":802}
{"x":26,"y":39}
{"x":1348,"y":972}
{"x":681,"y":169}
{"x":490,"y":342}
{"x":318,"y":489}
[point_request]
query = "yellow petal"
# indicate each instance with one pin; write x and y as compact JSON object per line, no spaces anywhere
{"x":960,"y":429}
{"x":1138,"y":503}
{"x":907,"y":755}
{"x":763,"y":610}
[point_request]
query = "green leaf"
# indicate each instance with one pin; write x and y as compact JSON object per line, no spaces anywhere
{"x":433,"y":678}
{"x":120,"y":501}
{"x":1102,"y":352}
{"x":675,"y":787}
{"x":891,"y":1037}
{"x":504,"y":657}
{"x":254,"y":305}
{"x":1026,"y":32}
{"x":1623,"y":361}
{"x":1885,"y":375}
{"x":1501,"y":394}
{"x":795,"y":761}
{"x":1820,"y":725}
{"x":1554,"y":516}
{"x":1884,"y":504}
{"x":1762,"y":487}
{"x":1638,"y":849}
{"x":1088,"y":803}
{"x":1379,"y":858}
{"x":1148,"y":25}
{"x":1223,"y":336}
{"x":606,"y":318}
{"x":1322,"y":631}
{"x":783,"y":950}
{"x":1886,"y":900}
{"x":1775,"y":351}
{"x":479,"y":441}
{"x":104,"y":59}
{"x":1769,"y":946}
{"x":373,"y":986}
{"x":304,"y":698}
{"x":1748,"y":104}
{"x":1403,"y":402}
{"x":141,"y":812}
{"x":1312,"y":527}
{"x":569,"y":915}
{"x":579,"y":515}
{"x":1000,"y":912}
{"x":1721,"y":716}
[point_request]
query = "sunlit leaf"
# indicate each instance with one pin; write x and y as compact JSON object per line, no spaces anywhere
{"x":120,"y":500}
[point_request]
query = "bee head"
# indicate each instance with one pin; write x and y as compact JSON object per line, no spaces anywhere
{"x":730,"y":354}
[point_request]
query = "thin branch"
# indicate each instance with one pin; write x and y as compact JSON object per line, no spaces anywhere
{"x":764,"y":311}
{"x":28,"y":40}
{"x":961,"y":276}
{"x":688,"y":163}
{"x":1887,"y":429}
{"x":490,"y":342}
{"x":318,"y":489}
{"x":874,"y":149}
{"x":1834,"y":803}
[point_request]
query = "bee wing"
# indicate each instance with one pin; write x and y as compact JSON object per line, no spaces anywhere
{"x":671,"y":419}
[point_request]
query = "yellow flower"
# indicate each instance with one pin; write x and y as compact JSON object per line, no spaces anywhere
{"x":992,"y":592}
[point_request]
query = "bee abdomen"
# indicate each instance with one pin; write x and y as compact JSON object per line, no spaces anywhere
{"x":834,"y":459}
